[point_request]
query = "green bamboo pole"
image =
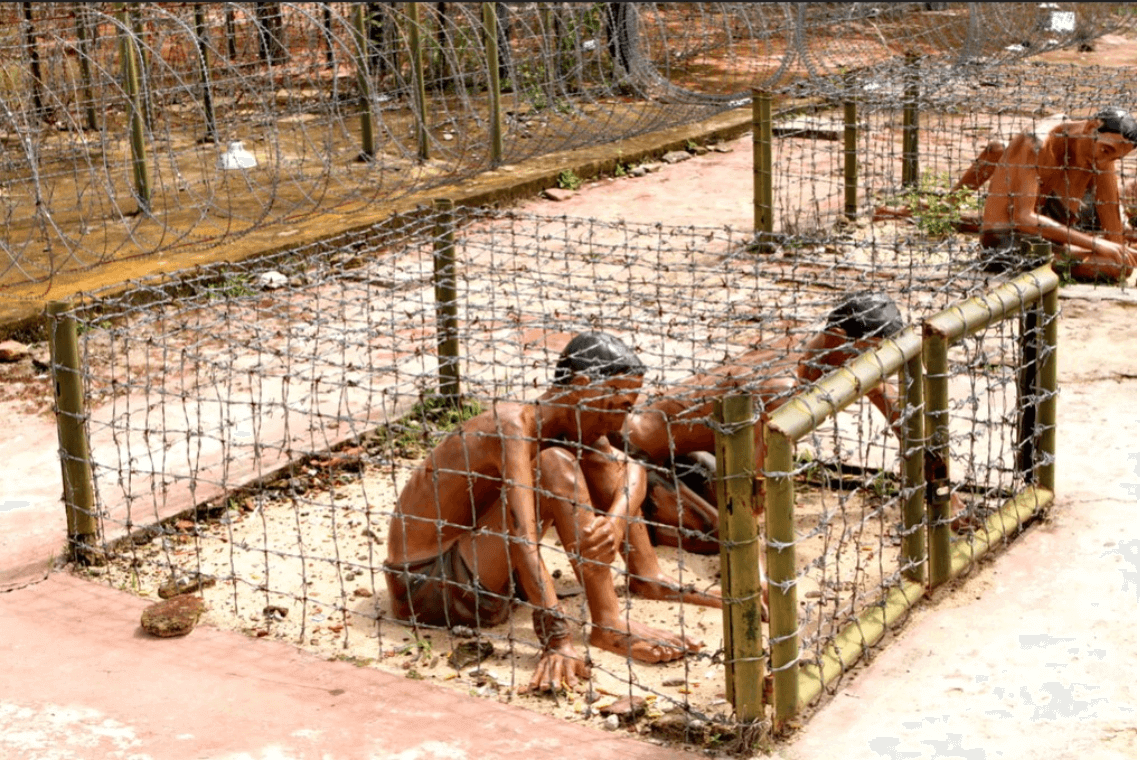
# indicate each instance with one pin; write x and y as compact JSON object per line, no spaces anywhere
{"x":1047,"y":409}
{"x":139,"y":165}
{"x":81,"y":34}
{"x":910,"y":124}
{"x":850,"y":162}
{"x":783,"y":607}
{"x":70,"y":417}
{"x":142,"y":66}
{"x":491,"y":40}
{"x":914,"y":510}
{"x":446,"y":300}
{"x":740,"y":557}
{"x":937,"y":396}
{"x":202,"y":34}
{"x":762,"y":216}
{"x":367,"y":131}
{"x":416,"y":51}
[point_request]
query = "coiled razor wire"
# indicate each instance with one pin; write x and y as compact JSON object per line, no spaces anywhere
{"x":101,"y":164}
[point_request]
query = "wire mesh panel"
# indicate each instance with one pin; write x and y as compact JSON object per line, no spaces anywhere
{"x":122,"y":125}
{"x":253,"y":429}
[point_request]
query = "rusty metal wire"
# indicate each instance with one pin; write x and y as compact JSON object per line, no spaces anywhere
{"x":291,"y":81}
{"x":254,"y":425}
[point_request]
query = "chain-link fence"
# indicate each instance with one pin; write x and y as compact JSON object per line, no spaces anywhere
{"x":251,"y":432}
{"x":176,"y":127}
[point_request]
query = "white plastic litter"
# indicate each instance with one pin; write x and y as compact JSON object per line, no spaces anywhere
{"x":237,"y":157}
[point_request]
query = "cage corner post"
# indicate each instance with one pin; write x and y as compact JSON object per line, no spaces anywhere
{"x":741,"y":587}
{"x":74,"y":450}
{"x":783,"y":604}
{"x":936,"y":392}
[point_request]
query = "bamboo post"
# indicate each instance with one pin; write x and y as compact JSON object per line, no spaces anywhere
{"x":491,"y":40}
{"x":740,"y":557}
{"x":446,"y":300}
{"x":231,"y":33}
{"x":762,"y":169}
{"x":936,"y":384}
{"x":910,"y":123}
{"x":416,"y":51}
{"x":850,"y":162}
{"x":70,"y":417}
{"x":914,"y":509}
{"x":139,"y":165}
{"x":85,"y":65}
{"x":1026,"y":395}
{"x":201,"y":33}
{"x":142,"y":65}
{"x":367,"y":132}
{"x":783,"y":607}
{"x":1047,"y":409}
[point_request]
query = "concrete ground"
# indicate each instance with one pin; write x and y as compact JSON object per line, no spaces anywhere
{"x":1034,"y":655}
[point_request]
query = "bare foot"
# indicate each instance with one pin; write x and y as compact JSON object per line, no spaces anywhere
{"x":661,"y":588}
{"x":641,"y":642}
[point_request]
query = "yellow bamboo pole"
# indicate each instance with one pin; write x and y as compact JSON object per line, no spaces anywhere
{"x":1047,"y":409}
{"x":783,"y":607}
{"x":740,"y":557}
{"x":762,"y":215}
{"x":913,"y":439}
{"x":936,"y":384}
{"x":850,"y":162}
{"x":910,"y":124}
{"x":128,"y":51}
{"x":70,"y":418}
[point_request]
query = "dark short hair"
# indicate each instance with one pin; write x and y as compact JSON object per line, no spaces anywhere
{"x":866,"y":315}
{"x":596,"y":355}
{"x":1117,"y":121}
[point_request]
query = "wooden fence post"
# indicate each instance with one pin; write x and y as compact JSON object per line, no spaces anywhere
{"x":1047,"y":409}
{"x":491,"y":40}
{"x":70,"y":415}
{"x":850,"y":162}
{"x":936,"y":385}
{"x":740,"y":557}
{"x":446,"y":301}
{"x":360,"y":35}
{"x":202,"y":35}
{"x":420,"y":91}
{"x":762,"y":169}
{"x":914,"y":481}
{"x":910,"y":123}
{"x":783,"y":605}
{"x":139,"y":165}
{"x":84,"y":49}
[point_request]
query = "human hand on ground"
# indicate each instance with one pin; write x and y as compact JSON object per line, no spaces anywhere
{"x":559,"y":667}
{"x":601,"y":540}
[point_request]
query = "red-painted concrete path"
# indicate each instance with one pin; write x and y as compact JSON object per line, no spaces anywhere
{"x":1034,"y":657}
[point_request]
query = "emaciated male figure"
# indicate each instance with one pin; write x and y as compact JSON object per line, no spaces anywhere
{"x":1063,"y":189}
{"x":468,"y":522}
{"x":672,"y":428}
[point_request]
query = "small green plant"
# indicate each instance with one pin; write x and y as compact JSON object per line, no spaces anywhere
{"x":568,"y":180}
{"x":433,"y":417}
{"x":233,"y":285}
{"x":690,"y":146}
{"x":936,"y":211}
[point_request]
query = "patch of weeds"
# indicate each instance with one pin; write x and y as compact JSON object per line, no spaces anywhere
{"x":935,"y":210}
{"x":233,"y":285}
{"x":568,"y":180}
{"x":418,"y":431}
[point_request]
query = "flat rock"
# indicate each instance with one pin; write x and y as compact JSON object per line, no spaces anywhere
{"x":676,"y":156}
{"x":557,"y":194}
{"x":12,"y":351}
{"x":174,"y":617}
{"x":627,"y":709}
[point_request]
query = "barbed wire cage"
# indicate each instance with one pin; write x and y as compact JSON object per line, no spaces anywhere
{"x":247,"y":428}
{"x":119,"y":122}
